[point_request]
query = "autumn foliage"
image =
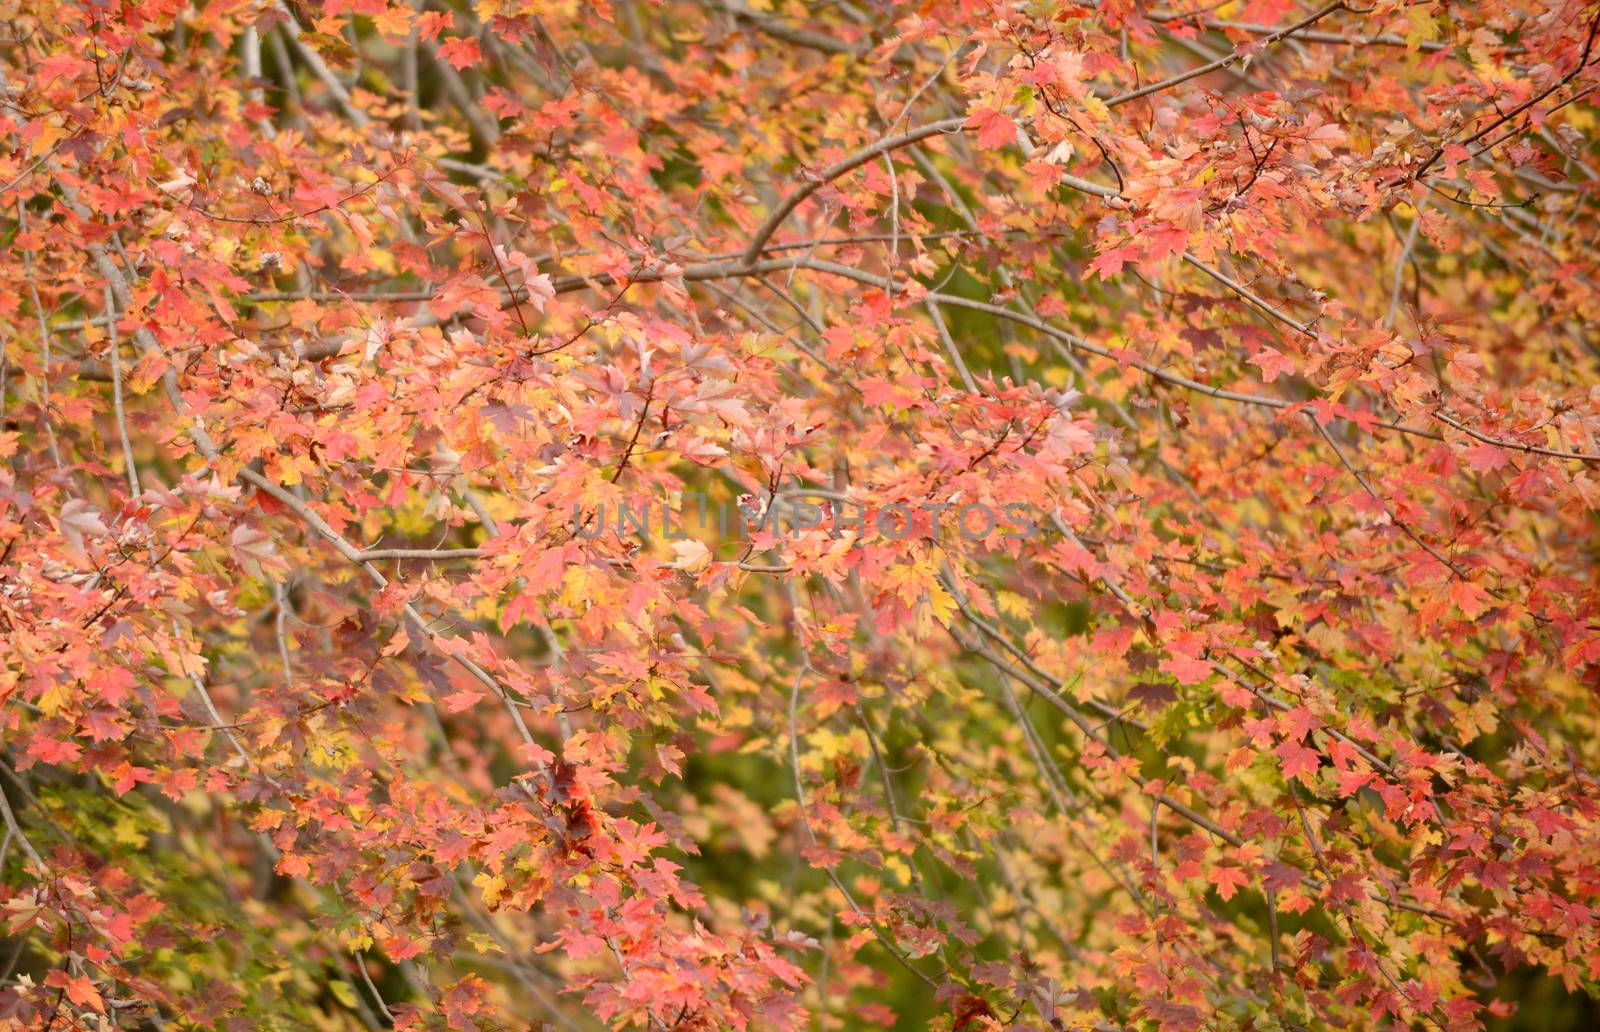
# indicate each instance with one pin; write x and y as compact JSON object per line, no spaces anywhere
{"x":1163,"y":445}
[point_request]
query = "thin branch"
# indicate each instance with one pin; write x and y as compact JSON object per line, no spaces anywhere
{"x":116,"y":395}
{"x":1237,"y":54}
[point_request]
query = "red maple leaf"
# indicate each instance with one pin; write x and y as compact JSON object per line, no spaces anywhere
{"x":460,"y":52}
{"x":1227,"y":879}
{"x":1298,"y":761}
{"x":995,"y":127}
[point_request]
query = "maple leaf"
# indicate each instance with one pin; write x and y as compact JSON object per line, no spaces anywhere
{"x":1350,"y":782}
{"x":1187,"y":669}
{"x":1153,"y":696}
{"x":1487,"y":458}
{"x":539,"y":289}
{"x":1298,"y":722}
{"x":995,"y":127}
{"x":125,"y":776}
{"x":692,"y":555}
{"x":1113,"y":641}
{"x":103,"y":726}
{"x":1227,"y":879}
{"x":1299,"y":761}
{"x":52,"y":750}
{"x":83,"y":993}
{"x":394,"y":22}
{"x":886,"y":392}
{"x":113,"y":684}
{"x":79,"y":520}
{"x":1272,"y":362}
{"x":431,"y":23}
{"x":1109,"y":262}
{"x":460,"y":52}
{"x":255,"y":550}
{"x":1267,"y":12}
{"x":1163,"y":242}
{"x":458,"y":702}
{"x":1471,"y":599}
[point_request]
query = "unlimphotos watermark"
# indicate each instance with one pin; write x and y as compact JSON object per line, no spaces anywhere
{"x":794,"y":514}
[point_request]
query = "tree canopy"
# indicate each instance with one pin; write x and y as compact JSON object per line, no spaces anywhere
{"x":757,"y":514}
